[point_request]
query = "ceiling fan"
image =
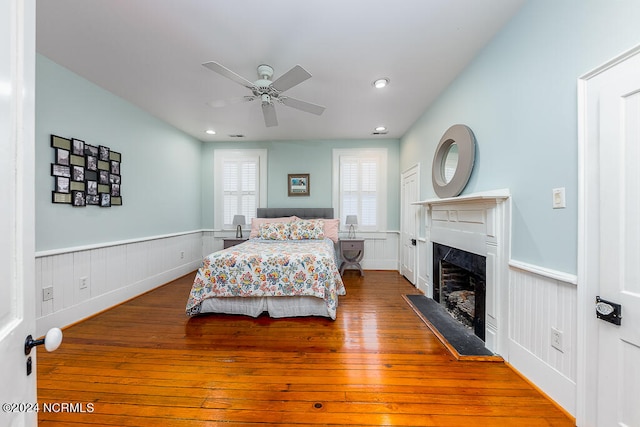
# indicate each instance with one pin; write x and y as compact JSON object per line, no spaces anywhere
{"x":268,"y":91}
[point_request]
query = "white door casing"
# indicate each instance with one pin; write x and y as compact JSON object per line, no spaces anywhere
{"x":609,"y":248}
{"x":17,"y":211}
{"x":409,"y":223}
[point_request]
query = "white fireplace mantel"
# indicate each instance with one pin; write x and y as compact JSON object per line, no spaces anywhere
{"x":495,"y":195}
{"x":478,"y":223}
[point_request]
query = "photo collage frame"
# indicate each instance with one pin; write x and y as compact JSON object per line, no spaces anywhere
{"x":85,"y":174}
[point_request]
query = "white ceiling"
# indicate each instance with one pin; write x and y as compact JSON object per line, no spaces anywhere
{"x":150,"y":52}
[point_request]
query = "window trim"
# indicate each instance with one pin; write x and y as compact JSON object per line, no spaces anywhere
{"x":219,"y":157}
{"x":381,"y":210}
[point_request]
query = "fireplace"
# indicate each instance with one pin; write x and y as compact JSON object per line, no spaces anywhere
{"x":459,"y":285}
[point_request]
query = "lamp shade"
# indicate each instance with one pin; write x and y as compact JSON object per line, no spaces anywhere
{"x":351,"y":219}
{"x":239,"y":220}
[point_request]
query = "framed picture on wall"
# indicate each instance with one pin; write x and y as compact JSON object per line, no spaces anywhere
{"x":77,"y":173}
{"x":78,"y":147}
{"x":60,"y":170}
{"x":62,"y":157}
{"x":90,"y":150}
{"x":62,"y":184}
{"x":298,"y":184}
{"x":105,"y":200}
{"x":78,"y":198}
{"x":103,"y":153}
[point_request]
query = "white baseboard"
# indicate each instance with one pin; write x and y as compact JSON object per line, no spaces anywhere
{"x":553,"y":383}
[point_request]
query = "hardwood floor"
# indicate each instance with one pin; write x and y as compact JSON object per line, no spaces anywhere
{"x":144,"y":363}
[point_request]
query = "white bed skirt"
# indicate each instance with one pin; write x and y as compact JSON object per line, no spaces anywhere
{"x":294,"y":306}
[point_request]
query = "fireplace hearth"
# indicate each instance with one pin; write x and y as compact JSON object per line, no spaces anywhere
{"x":460,"y":286}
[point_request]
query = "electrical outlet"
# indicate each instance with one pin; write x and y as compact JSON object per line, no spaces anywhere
{"x":47,"y":293}
{"x":83,"y":282}
{"x":556,"y":339}
{"x":181,"y":254}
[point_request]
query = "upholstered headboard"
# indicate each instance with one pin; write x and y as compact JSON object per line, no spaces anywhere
{"x":305,"y":213}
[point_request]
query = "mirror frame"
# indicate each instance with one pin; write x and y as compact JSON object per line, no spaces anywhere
{"x":466,"y":141}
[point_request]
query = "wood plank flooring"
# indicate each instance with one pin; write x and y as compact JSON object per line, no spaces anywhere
{"x":144,"y":363}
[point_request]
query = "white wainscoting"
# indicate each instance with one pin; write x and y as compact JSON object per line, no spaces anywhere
{"x":120,"y":271}
{"x":114,"y":273}
{"x":381,"y":250}
{"x":541,"y":299}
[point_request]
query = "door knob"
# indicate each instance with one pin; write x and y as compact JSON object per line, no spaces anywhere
{"x":51,"y":341}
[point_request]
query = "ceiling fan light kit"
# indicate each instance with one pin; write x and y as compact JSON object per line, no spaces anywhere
{"x":269,"y":91}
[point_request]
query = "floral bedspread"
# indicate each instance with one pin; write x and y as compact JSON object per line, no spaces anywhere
{"x":270,"y":268}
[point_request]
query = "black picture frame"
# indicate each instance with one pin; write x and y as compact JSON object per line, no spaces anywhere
{"x":77,"y":173}
{"x":93,"y":200}
{"x":90,"y":150}
{"x":298,"y":184}
{"x":103,"y":153}
{"x":105,"y":200}
{"x":115,"y":167}
{"x":92,"y":163}
{"x":78,"y":198}
{"x":62,"y":156}
{"x":85,"y":174}
{"x":103,"y":177}
{"x":92,"y":188}
{"x":77,"y":147}
{"x":62,"y":184}
{"x":60,"y":170}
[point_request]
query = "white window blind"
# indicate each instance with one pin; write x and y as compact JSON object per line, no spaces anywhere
{"x":240,"y":189}
{"x":240,"y":184}
{"x":361,"y":187}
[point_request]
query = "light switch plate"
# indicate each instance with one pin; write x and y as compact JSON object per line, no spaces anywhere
{"x":559,"y":201}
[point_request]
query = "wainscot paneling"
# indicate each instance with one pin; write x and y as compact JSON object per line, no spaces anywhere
{"x":119,"y":271}
{"x":539,"y":300}
{"x":87,"y":280}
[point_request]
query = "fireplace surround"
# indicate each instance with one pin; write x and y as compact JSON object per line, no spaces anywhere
{"x":477,"y":223}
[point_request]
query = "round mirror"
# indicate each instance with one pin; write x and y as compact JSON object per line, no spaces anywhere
{"x":453,"y":161}
{"x":450,"y":163}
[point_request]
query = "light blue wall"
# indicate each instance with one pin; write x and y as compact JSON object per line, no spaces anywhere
{"x":519,"y":96}
{"x":313,"y":157}
{"x":161,"y":176}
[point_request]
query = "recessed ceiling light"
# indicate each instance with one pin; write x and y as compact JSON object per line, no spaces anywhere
{"x":210,"y":132}
{"x":381,"y":129}
{"x":380,"y":83}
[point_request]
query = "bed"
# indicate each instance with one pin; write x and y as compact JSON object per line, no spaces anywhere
{"x":287,"y":268}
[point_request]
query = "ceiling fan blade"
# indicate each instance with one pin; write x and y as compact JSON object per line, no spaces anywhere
{"x":220,"y":103}
{"x":269,"y":112}
{"x":224,"y":71}
{"x":303,"y":105}
{"x":293,"y":77}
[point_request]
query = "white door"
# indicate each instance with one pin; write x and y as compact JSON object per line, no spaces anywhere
{"x":409,"y":226}
{"x":610,"y":264}
{"x":17,"y":307}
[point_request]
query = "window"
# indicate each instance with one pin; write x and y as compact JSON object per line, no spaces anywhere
{"x":240,"y":184}
{"x":360,"y":186}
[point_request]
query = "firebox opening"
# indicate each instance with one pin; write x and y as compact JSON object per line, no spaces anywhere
{"x":459,"y":286}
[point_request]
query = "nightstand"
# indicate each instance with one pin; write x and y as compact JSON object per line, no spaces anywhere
{"x":351,"y":252}
{"x":227,"y":243}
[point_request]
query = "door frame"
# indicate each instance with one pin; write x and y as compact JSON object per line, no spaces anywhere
{"x":404,"y":205}
{"x":588,"y":245}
